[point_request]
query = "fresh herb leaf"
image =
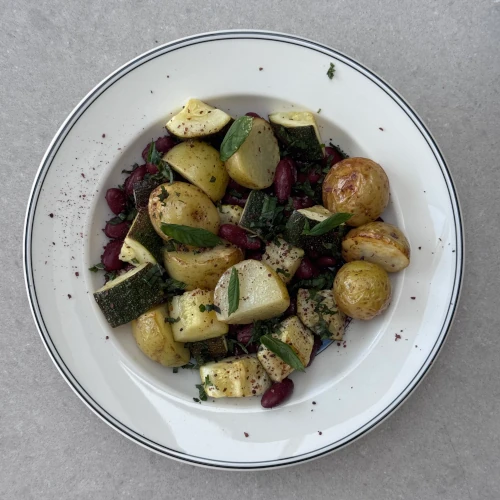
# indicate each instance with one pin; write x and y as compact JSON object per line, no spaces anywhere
{"x":327,"y":225}
{"x":283,"y":351}
{"x":115,"y":221}
{"x":110,"y":276}
{"x":131,"y":215}
{"x":322,"y":282}
{"x":208,"y":382}
{"x":305,"y":187}
{"x":284,"y":272}
{"x":193,"y":236}
{"x":196,"y":400}
{"x":172,"y":286}
{"x":135,"y":166}
{"x":233,"y":291}
{"x":319,"y":111}
{"x":172,"y":320}
{"x":135,"y":261}
{"x":154,"y":156}
{"x":189,"y":366}
{"x":231,"y":343}
{"x":97,"y":267}
{"x":213,"y":179}
{"x":163,"y":195}
{"x":263,"y":327}
{"x":331,"y":71}
{"x":235,"y":137}
{"x":201,"y":390}
{"x":176,"y":369}
{"x":209,"y":307}
{"x":164,"y":172}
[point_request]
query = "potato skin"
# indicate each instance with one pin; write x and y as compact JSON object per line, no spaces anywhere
{"x":380,"y":243}
{"x":358,"y":186}
{"x":362,"y":290}
{"x":185,"y":204}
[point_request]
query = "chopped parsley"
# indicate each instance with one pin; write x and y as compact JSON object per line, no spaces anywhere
{"x":331,"y":71}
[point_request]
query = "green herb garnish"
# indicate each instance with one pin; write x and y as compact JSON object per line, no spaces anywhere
{"x":201,"y":389}
{"x":284,"y":272}
{"x":193,"y":236}
{"x":213,"y":179}
{"x":235,"y":137}
{"x":209,"y":307}
{"x":176,"y":370}
{"x":172,"y":286}
{"x":154,"y":156}
{"x":327,"y":225}
{"x":283,"y":351}
{"x":163,"y":195}
{"x":331,"y":71}
{"x":172,"y":320}
{"x":231,"y":343}
{"x":233,"y":291}
{"x":97,"y":267}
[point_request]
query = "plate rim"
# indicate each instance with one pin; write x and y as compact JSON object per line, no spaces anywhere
{"x":59,"y":138}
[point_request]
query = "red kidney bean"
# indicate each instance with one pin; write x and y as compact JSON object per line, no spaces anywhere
{"x":136,"y":176}
{"x":306,"y":270}
{"x":293,"y":166}
{"x":232,"y":200}
{"x":283,"y":181}
{"x":239,"y":237}
{"x":244,"y":334}
{"x":110,"y":257}
{"x":254,"y":254}
{"x":312,"y":254}
{"x":151,"y":168}
{"x":117,"y":231}
{"x":292,"y":308}
{"x":117,"y":200}
{"x":302,"y":202}
{"x":237,"y":187}
{"x":326,"y":261}
{"x":255,"y":115}
{"x":314,"y":176}
{"x":277,"y":393}
{"x":164,"y":144}
{"x":315,"y":349}
{"x":332,"y":156}
{"x":301,"y":177}
{"x":145,"y":152}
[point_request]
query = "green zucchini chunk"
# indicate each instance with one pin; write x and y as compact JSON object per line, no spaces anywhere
{"x":142,"y":243}
{"x":299,"y":134}
{"x":127,"y":297}
{"x":142,"y":190}
{"x":260,"y":215}
{"x":208,"y":350}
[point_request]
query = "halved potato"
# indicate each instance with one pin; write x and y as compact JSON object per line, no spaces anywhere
{"x":201,"y":267}
{"x":263,"y":294}
{"x":199,"y":163}
{"x":198,"y":120}
{"x":193,"y":322}
{"x":380,"y":243}
{"x":155,"y":339}
{"x":255,"y":162}
{"x":357,"y":186}
{"x":184,"y":204}
{"x":230,"y":214}
{"x":235,"y":377}
{"x":292,"y":332}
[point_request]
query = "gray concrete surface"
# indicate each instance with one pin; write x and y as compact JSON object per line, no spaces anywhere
{"x":444,"y":58}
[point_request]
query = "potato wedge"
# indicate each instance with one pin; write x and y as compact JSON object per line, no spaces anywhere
{"x":293,"y":332}
{"x":380,"y":243}
{"x":192,"y":322}
{"x":184,"y":204}
{"x":199,"y":163}
{"x":155,"y":338}
{"x":230,"y":214}
{"x":235,"y":377}
{"x":357,"y":186}
{"x":263,"y":294}
{"x":201,"y":267}
{"x":255,"y":162}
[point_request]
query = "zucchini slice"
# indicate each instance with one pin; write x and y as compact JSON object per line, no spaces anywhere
{"x":200,"y":164}
{"x":260,"y":215}
{"x":198,"y":120}
{"x":208,"y":350}
{"x":142,"y":190}
{"x":284,"y":258}
{"x":326,"y":244}
{"x":319,"y":312}
{"x":142,"y":243}
{"x":254,"y":163}
{"x":154,"y":337}
{"x":291,"y":331}
{"x":235,"y":377}
{"x":299,"y":133}
{"x":230,"y":214}
{"x":127,"y":297}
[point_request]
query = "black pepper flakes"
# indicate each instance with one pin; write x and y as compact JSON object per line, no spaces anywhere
{"x":51,"y":216}
{"x":413,"y":298}
{"x":69,"y":296}
{"x":246,"y":434}
{"x":77,"y":274}
{"x":103,"y":136}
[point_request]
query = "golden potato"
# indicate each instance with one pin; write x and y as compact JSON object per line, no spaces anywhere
{"x":362,"y":290}
{"x":201,"y":267}
{"x":380,"y":243}
{"x":357,"y":186}
{"x":184,"y":204}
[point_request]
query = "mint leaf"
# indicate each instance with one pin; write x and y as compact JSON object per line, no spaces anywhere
{"x":97,"y":267}
{"x":327,"y":225}
{"x":283,"y":351}
{"x":233,"y":291}
{"x":193,"y":236}
{"x":235,"y":137}
{"x":331,"y":71}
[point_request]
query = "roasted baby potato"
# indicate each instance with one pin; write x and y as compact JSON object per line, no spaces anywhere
{"x":358,"y":186}
{"x":155,"y":339}
{"x":184,"y":204}
{"x":380,"y":243}
{"x":201,"y":267}
{"x":362,"y":290}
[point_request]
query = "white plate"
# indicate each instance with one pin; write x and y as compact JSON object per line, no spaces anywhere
{"x":354,"y":387}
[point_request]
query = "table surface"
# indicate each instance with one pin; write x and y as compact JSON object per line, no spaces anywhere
{"x":444,"y":58}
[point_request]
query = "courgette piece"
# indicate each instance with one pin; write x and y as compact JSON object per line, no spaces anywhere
{"x":262,"y":215}
{"x":299,"y":134}
{"x":142,"y":243}
{"x":230,"y":214}
{"x":208,"y":350}
{"x":325,"y":244}
{"x":142,"y":190}
{"x":198,"y":120}
{"x":127,"y":297}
